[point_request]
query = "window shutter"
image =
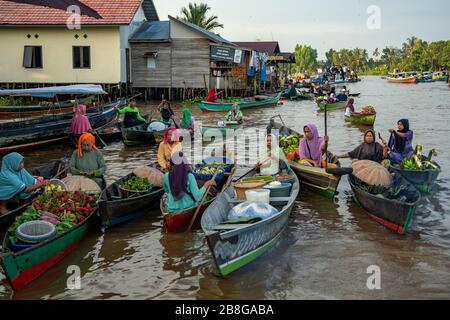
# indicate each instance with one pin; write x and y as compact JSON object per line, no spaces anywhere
{"x":28,"y":57}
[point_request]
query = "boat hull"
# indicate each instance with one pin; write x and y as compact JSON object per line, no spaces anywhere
{"x":394,"y":215}
{"x":179,"y":222}
{"x":365,"y":120}
{"x":424,"y":181}
{"x":114,"y":210}
{"x":332,"y":106}
{"x":34,"y":133}
{"x":409,"y":80}
{"x":225,"y":107}
{"x":23,"y":267}
{"x":231,"y":250}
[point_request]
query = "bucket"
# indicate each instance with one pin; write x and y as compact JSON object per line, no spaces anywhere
{"x":242,"y":187}
{"x":258,"y":195}
{"x":283,"y":191}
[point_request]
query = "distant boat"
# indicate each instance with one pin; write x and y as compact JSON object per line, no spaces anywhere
{"x":246,"y":103}
{"x":403,"y":77}
{"x":441,"y":76}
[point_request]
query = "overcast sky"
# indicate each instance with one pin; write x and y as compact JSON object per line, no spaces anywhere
{"x":325,"y":24}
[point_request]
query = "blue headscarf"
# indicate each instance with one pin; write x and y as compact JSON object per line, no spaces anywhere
{"x":12,"y":181}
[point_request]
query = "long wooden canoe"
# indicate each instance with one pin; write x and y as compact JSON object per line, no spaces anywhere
{"x":114,"y":209}
{"x":235,"y":245}
{"x":33,"y":133}
{"x":423,"y":180}
{"x":140,"y":135}
{"x":176,"y":222}
{"x":407,"y":80}
{"x":223,"y":130}
{"x":25,"y":266}
{"x":362,"y":119}
{"x":316,"y":179}
{"x":12,"y":112}
{"x":55,"y":169}
{"x":331,"y":106}
{"x":247,"y":103}
{"x":395,"y":214}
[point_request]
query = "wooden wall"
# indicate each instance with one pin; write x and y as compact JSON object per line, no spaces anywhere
{"x":141,"y":76}
{"x":182,"y":63}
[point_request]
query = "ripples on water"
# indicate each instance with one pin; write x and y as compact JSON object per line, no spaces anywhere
{"x":326,"y":249}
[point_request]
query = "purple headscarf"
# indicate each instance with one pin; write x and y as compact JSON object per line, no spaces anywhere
{"x":178,"y":175}
{"x":312,"y":149}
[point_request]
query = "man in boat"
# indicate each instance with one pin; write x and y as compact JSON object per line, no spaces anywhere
{"x":88,"y":161}
{"x":235,"y":114}
{"x":181,"y":186}
{"x":166,"y":112}
{"x":370,"y":149}
{"x":16,"y":183}
{"x":133,"y":117}
{"x":168,"y":147}
{"x":275,"y":161}
{"x":401,"y":142}
{"x":312,"y":147}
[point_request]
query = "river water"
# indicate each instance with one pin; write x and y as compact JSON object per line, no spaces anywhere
{"x":324,"y":253}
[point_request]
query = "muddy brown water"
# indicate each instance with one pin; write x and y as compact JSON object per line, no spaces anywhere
{"x":326,"y":249}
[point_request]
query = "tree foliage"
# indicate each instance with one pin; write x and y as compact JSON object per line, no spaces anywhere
{"x":306,"y":58}
{"x":197,"y":14}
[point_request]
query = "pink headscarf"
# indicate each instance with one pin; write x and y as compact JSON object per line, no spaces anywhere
{"x":312,"y":149}
{"x":80,"y":123}
{"x":166,"y":134}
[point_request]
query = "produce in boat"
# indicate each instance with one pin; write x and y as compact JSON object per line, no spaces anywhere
{"x":417,"y":162}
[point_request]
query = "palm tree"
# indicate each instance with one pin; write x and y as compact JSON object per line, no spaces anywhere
{"x":196,"y":14}
{"x":376,"y":53}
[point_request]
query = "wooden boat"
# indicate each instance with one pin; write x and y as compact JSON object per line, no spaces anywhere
{"x":332,"y":106}
{"x":179,"y":221}
{"x":140,"y":135}
{"x":114,"y":209}
{"x":316,"y":179}
{"x":423,"y":180}
{"x":53,"y":170}
{"x":229,"y":125}
{"x":441,"y":76}
{"x":12,"y":112}
{"x":25,"y":266}
{"x":354,"y":95}
{"x":28,"y":134}
{"x":247,"y":103}
{"x":235,"y":245}
{"x":403,"y":77}
{"x":395,"y":214}
{"x":109,"y":133}
{"x":362,"y":119}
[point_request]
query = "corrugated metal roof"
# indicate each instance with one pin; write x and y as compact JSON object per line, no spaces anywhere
{"x":207,"y":34}
{"x":152,"y":31}
{"x":270,"y":47}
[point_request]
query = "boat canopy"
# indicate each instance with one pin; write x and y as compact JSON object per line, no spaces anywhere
{"x":50,"y":92}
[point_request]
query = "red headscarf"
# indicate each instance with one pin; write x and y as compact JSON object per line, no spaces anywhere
{"x":85,"y":137}
{"x":166,"y":134}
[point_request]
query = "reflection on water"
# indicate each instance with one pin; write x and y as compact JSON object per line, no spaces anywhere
{"x":326,"y":249}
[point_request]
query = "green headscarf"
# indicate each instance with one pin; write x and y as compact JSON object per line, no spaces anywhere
{"x":186,"y":121}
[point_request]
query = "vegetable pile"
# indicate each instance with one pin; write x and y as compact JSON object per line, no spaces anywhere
{"x":368,"y":110}
{"x":208,"y":169}
{"x":63,"y":209}
{"x":290,"y":146}
{"x":418,"y":162}
{"x":137,"y":184}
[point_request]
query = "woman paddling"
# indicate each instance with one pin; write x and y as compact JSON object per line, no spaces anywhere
{"x":188,"y":122}
{"x":133,"y":117}
{"x":235,"y":114}
{"x":88,"y":161}
{"x":275,"y":161}
{"x":370,"y":149}
{"x":181,"y":187}
{"x":401,"y":142}
{"x":16,"y":183}
{"x":312,"y":146}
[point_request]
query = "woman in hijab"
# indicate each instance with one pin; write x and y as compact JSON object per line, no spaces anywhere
{"x":15,"y":180}
{"x":181,"y":187}
{"x":312,"y":147}
{"x":188,"y":121}
{"x":132,"y":117}
{"x":370,"y":149}
{"x":80,"y":123}
{"x":88,"y":161}
{"x":275,"y":161}
{"x":350,"y":108}
{"x":235,"y":114}
{"x":400,"y":142}
{"x":168,"y":147}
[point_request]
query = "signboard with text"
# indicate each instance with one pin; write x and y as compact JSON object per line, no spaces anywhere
{"x":226,"y":54}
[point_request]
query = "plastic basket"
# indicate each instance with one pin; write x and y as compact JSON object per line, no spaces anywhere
{"x":226,"y":161}
{"x":207,"y":177}
{"x":35,"y":231}
{"x":242,"y":187}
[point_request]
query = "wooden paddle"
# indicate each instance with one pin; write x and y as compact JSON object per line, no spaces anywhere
{"x":326,"y":134}
{"x":340,"y":172}
{"x":201,"y":204}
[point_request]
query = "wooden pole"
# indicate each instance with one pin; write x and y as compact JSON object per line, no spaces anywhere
{"x":326,"y":134}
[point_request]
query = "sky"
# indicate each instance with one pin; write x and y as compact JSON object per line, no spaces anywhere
{"x":325,"y":24}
